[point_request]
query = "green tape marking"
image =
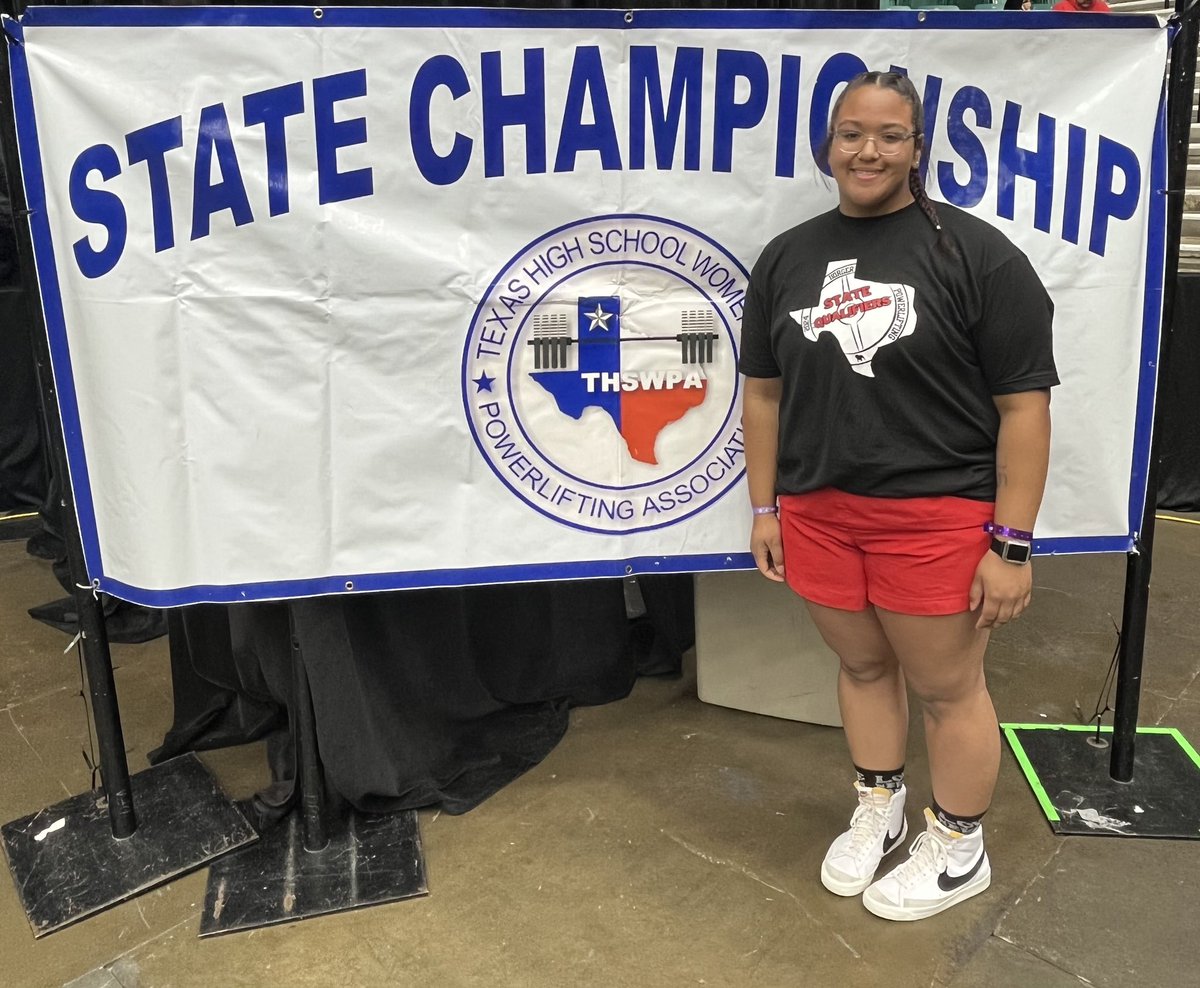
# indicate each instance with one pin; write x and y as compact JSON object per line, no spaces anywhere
{"x":1183,"y":743}
{"x":1056,"y":727}
{"x":1031,"y":775}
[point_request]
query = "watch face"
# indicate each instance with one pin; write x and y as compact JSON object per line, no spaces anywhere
{"x":1019,"y":553}
{"x":1012,"y":552}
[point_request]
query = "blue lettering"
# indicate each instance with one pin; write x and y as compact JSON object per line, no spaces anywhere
{"x":98,"y":206}
{"x":1036,"y":164}
{"x":789,"y":113}
{"x":332,"y":185}
{"x":270,"y":108}
{"x":730,"y":115}
{"x":645,"y":89}
{"x":1109,"y":203}
{"x":441,"y":70}
{"x":151,"y":144}
{"x":527,"y":109}
{"x":1073,"y":204}
{"x":587,"y":87}
{"x":969,"y":147}
{"x":230,"y":193}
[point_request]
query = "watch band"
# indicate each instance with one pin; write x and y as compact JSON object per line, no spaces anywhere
{"x":1017,"y":553}
{"x":1005,"y":532}
{"x":764,"y":509}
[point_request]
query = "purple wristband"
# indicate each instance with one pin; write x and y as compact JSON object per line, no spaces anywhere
{"x":1005,"y":532}
{"x":766,"y":510}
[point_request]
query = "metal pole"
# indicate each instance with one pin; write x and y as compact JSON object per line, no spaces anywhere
{"x":113,"y":766}
{"x":308,"y":765}
{"x":1180,"y":82}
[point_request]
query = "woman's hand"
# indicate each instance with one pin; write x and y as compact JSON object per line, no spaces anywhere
{"x":1004,"y":590}
{"x":766,"y":543}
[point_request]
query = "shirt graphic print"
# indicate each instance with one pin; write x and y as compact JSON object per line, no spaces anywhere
{"x":862,"y":315}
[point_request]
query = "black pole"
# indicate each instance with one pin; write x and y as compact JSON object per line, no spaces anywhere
{"x":308,"y":766}
{"x":114,"y":768}
{"x":1180,"y":82}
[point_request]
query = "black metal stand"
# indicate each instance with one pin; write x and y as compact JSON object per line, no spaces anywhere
{"x":309,"y":865}
{"x":1051,"y":758}
{"x":89,"y":852}
{"x":67,"y":863}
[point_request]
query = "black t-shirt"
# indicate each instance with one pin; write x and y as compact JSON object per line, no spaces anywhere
{"x":890,"y":350}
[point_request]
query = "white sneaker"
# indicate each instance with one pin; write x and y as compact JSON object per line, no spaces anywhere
{"x":945,"y":868}
{"x":877,"y":827}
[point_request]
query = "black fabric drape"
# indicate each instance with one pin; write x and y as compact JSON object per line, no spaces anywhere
{"x":22,"y":470}
{"x":424,"y":697}
{"x":1179,"y":405}
{"x":219,"y":659}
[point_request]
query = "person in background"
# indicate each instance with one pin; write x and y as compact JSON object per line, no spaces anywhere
{"x":1083,"y":6}
{"x":898,"y":367}
{"x":1018,"y":4}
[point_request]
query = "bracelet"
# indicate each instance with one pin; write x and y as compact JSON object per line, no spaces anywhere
{"x":765,"y":510}
{"x":1005,"y":532}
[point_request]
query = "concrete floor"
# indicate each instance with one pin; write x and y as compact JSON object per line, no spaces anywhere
{"x":664,"y":842}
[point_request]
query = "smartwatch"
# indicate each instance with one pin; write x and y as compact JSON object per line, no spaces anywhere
{"x":1018,"y":553}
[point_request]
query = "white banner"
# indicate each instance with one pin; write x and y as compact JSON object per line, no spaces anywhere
{"x":370,"y":298}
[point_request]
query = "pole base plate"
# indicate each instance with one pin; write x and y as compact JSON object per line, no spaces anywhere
{"x":67,"y":864}
{"x":1069,"y":774}
{"x":370,"y":859}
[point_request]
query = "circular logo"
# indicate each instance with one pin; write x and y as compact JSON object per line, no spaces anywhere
{"x":600,"y":373}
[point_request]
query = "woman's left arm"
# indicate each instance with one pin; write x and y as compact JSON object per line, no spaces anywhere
{"x":1022,"y":458}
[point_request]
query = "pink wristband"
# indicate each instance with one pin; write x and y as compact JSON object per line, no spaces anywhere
{"x":1005,"y":532}
{"x":765,"y":510}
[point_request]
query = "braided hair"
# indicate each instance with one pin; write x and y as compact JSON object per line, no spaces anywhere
{"x":903,"y":87}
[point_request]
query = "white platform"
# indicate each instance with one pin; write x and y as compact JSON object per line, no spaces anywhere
{"x":757,"y":650}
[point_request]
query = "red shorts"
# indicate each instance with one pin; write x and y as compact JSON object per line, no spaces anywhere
{"x":911,"y":555}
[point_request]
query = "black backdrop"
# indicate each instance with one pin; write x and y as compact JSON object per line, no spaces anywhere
{"x":1179,"y":405}
{"x":22,"y":477}
{"x":442,"y":696}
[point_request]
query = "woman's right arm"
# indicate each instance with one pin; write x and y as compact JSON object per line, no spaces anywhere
{"x":760,"y":429}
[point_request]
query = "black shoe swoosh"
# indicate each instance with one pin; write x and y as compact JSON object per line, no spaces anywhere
{"x":948,"y":884}
{"x":892,"y":840}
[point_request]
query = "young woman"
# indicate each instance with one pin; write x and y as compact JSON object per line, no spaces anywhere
{"x":898,"y":364}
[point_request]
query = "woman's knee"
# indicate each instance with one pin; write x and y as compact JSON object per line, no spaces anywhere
{"x":945,"y":695}
{"x":869,"y":668}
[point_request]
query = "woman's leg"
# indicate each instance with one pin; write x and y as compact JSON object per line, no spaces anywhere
{"x":875,"y":714}
{"x":871,"y":693}
{"x":942,"y":661}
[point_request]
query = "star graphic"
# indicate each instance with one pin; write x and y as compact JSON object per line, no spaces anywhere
{"x":599,"y":319}
{"x":483,"y":382}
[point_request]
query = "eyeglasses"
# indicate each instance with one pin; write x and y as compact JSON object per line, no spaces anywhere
{"x":889,"y":143}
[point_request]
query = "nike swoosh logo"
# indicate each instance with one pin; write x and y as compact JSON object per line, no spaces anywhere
{"x":948,"y":884}
{"x":892,"y":840}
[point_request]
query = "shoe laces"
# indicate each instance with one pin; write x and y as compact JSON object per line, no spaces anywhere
{"x":865,"y":826}
{"x":927,"y":855}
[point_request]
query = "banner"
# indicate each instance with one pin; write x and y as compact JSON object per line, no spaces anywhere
{"x":358,"y":299}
